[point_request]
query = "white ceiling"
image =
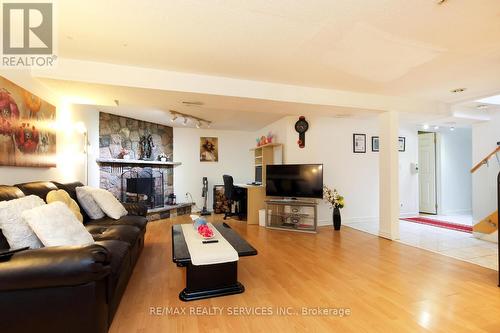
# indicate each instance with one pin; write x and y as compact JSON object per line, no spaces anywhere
{"x":394,"y":47}
{"x":228,"y":113}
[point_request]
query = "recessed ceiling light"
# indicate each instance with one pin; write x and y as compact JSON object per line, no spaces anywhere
{"x":482,"y":107}
{"x":452,"y":128}
{"x":436,"y":128}
{"x":425,"y":126}
{"x":458,"y":90}
{"x":490,"y":100}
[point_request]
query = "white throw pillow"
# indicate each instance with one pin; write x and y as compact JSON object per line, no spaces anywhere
{"x":108,"y":203}
{"x":56,"y":225}
{"x":15,"y":230}
{"x":86,"y":200}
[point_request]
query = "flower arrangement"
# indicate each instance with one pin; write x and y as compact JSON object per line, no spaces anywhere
{"x":124,"y":154}
{"x":333,"y":197}
{"x":205,"y":231}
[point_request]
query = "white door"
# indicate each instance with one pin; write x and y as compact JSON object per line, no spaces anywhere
{"x":427,"y":172}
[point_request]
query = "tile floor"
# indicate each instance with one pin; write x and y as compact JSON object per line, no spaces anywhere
{"x":456,"y":244}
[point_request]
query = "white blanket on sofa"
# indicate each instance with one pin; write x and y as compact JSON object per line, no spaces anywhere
{"x":211,"y":253}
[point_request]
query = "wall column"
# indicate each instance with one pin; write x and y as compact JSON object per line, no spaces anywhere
{"x":389,"y":175}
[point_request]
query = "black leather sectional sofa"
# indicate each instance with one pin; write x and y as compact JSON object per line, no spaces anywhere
{"x":69,"y":289}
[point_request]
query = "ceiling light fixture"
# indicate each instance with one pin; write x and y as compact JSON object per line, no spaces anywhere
{"x":458,"y":90}
{"x":452,"y":128}
{"x":436,"y":128}
{"x":482,"y":107}
{"x":425,"y":126}
{"x":187,"y":117}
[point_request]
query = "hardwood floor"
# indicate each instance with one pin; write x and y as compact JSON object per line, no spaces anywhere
{"x":387,"y":286}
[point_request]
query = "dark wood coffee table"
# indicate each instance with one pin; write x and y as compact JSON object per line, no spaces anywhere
{"x":207,"y":281}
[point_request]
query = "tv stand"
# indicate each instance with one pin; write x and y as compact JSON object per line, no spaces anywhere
{"x":292,"y":214}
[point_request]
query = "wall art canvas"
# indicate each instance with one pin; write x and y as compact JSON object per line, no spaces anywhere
{"x":209,"y":149}
{"x":27,"y":128}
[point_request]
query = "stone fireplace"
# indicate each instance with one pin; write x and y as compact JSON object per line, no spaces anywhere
{"x":122,"y":172}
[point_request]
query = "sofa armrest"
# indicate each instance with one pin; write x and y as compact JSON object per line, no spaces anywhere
{"x":136,"y":208}
{"x":54,"y":266}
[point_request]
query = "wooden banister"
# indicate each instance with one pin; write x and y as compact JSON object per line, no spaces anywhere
{"x":485,"y":160}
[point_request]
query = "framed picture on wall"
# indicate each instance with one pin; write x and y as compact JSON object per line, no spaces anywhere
{"x":209,"y":149}
{"x":359,"y":143}
{"x":402,"y":143}
{"x":375,"y":143}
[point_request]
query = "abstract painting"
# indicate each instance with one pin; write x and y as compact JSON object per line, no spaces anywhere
{"x":27,"y":128}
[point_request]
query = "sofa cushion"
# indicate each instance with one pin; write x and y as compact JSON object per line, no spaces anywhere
{"x":63,"y":196}
{"x":86,"y":200}
{"x":17,"y":232}
{"x":71,"y":189}
{"x":56,"y":225}
{"x":108,"y":203}
{"x":133,"y":220}
{"x":125,"y":233}
{"x":40,"y":189}
{"x":10,"y":192}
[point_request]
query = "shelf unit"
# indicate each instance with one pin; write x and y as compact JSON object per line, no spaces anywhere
{"x":294,"y":215}
{"x":271,"y":153}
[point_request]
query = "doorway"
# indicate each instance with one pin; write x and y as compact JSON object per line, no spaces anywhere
{"x":427,"y":176}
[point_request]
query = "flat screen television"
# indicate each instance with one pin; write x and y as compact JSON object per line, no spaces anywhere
{"x":294,"y":180}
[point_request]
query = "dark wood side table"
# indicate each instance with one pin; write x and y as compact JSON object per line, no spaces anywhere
{"x":207,"y":281}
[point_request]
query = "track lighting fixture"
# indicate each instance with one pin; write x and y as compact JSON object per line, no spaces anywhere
{"x":199,"y":122}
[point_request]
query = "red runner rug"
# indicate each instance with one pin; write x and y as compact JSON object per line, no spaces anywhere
{"x":440,"y":224}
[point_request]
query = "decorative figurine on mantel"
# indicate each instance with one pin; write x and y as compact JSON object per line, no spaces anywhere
{"x":337,"y":203}
{"x":146,"y":146}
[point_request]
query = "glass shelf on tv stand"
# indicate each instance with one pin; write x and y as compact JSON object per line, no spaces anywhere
{"x":294,"y":215}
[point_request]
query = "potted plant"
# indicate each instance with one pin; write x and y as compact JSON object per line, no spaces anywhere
{"x":336,"y":202}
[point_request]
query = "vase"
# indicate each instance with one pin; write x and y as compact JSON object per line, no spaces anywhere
{"x":337,"y":219}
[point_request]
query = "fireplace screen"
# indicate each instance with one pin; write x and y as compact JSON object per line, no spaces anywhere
{"x":145,"y":186}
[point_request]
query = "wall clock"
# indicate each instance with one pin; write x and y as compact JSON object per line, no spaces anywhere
{"x":301,"y":126}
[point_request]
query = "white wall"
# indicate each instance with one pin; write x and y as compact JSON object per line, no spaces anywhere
{"x":484,"y":181}
{"x":235,"y":159}
{"x":454,"y":163}
{"x":355,"y":176}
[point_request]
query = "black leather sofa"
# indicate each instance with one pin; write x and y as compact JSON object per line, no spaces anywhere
{"x":69,"y":289}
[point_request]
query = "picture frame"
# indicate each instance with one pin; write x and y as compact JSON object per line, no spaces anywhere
{"x":359,"y":143}
{"x":402,"y":143}
{"x":375,"y":144}
{"x":209,"y":149}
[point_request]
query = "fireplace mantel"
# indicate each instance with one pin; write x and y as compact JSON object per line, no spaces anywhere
{"x":135,"y":162}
